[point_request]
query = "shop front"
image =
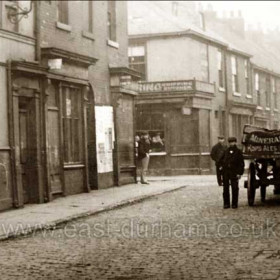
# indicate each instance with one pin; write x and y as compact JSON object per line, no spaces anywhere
{"x":48,"y":129}
{"x":178,"y":117}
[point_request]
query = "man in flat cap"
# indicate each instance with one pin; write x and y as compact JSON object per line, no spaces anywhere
{"x":217,"y":153}
{"x":233,"y":168}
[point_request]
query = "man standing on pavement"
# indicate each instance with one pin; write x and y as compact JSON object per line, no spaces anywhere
{"x":143,"y":155}
{"x":233,"y":168}
{"x":217,"y":153}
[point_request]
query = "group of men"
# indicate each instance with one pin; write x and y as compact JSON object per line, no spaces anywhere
{"x":229,"y":168}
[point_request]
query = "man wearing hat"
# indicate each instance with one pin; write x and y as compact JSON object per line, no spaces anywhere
{"x":217,"y":153}
{"x":233,"y":168}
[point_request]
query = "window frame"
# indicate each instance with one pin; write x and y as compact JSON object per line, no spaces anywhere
{"x":234,"y":74}
{"x":72,"y":124}
{"x":112,"y":21}
{"x":221,"y":73}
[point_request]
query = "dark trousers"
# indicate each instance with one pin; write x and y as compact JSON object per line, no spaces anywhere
{"x":219,"y":174}
{"x":230,"y":179}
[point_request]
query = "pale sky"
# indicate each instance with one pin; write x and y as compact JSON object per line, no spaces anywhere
{"x":267,"y":13}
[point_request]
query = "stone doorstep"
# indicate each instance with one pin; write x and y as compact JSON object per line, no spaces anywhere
{"x":58,"y":222}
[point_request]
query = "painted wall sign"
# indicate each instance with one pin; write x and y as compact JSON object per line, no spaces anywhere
{"x":166,"y":86}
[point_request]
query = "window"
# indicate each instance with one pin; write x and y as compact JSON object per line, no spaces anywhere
{"x":154,"y":124}
{"x":257,"y":88}
{"x":72,"y":123}
{"x":136,"y":55}
{"x":62,"y":10}
{"x":204,"y":62}
{"x":234,"y":66}
{"x":221,"y":69}
{"x":112,"y":34}
{"x":275,"y":99}
{"x":88,"y":16}
{"x":175,"y":8}
{"x":267,"y":91}
{"x":246,"y":69}
{"x":7,"y":9}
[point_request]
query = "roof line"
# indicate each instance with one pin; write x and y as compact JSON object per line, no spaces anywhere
{"x":178,"y":33}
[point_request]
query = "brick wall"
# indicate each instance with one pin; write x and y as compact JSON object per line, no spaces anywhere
{"x":96,"y":45}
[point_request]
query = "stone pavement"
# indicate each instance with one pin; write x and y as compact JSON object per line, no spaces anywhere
{"x":36,"y":217}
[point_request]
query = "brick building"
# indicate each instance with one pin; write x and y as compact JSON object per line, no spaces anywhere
{"x":198,"y":81}
{"x":63,"y":99}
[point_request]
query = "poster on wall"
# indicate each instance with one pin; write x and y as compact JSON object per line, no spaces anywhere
{"x":104,"y":138}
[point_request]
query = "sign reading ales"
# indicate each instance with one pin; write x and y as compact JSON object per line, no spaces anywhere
{"x":264,"y":143}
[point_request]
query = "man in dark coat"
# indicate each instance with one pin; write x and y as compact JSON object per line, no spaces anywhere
{"x":217,"y":153}
{"x":233,"y":168}
{"x":143,"y":155}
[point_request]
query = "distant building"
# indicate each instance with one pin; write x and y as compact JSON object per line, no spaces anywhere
{"x":196,"y":84}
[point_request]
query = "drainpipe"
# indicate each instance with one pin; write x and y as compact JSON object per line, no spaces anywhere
{"x":11,"y":133}
{"x":227,"y":103}
{"x":37,"y":30}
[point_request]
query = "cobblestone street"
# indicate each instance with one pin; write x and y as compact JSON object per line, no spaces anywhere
{"x":185,"y":234}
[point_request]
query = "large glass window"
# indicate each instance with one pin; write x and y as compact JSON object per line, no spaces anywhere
{"x":154,"y":124}
{"x":72,"y":123}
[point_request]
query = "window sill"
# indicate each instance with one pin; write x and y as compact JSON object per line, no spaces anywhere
{"x":276,"y":110}
{"x":63,"y":26}
{"x":158,"y":154}
{"x":88,"y":35}
{"x":267,"y":109}
{"x":259,"y":107}
{"x":113,"y":44}
{"x":73,"y":166}
{"x":237,"y":94}
{"x":249,"y":96}
{"x":222,"y":89}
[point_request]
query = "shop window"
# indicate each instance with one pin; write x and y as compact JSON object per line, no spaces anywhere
{"x":154,"y":125}
{"x":136,"y":55}
{"x":72,"y":123}
{"x":112,"y":34}
{"x":62,"y":10}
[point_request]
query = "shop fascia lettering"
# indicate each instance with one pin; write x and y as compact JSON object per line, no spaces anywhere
{"x":168,"y":86}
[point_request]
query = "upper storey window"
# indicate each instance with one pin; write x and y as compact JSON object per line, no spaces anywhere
{"x":62,"y":11}
{"x":136,"y":55}
{"x":221,"y":70}
{"x":235,"y":86}
{"x":112,"y":32}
